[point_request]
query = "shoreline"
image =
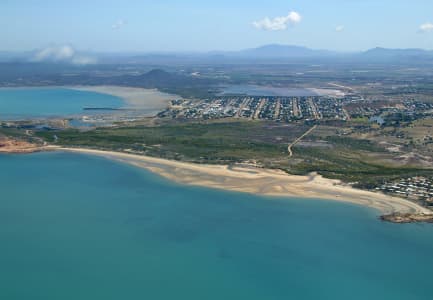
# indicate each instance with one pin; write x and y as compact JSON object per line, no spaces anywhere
{"x":134,"y":98}
{"x":149,"y":101}
{"x":257,"y":181}
{"x":13,"y":146}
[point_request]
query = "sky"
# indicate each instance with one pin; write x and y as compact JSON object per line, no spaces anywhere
{"x":202,"y":25}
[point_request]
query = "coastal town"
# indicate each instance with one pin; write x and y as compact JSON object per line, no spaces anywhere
{"x":293,"y":109}
{"x":216,"y":150}
{"x":280,"y":109}
{"x":419,"y":189}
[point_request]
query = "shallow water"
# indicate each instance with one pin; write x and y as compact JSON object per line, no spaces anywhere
{"x":81,"y":227}
{"x":26,"y":103}
{"x":255,"y":90}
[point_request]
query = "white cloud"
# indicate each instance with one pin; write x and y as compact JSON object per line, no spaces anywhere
{"x":64,"y":53}
{"x":278,"y":23}
{"x":55,"y":53}
{"x":119,"y":24}
{"x":339,"y":28}
{"x":426,"y":27}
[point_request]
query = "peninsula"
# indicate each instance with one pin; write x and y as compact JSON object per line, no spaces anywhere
{"x":8,"y":145}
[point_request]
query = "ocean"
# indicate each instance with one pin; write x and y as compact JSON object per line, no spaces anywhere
{"x":81,"y":227}
{"x":29,"y":103}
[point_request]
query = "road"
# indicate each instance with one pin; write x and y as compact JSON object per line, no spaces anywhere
{"x":259,"y":109}
{"x":289,"y":148}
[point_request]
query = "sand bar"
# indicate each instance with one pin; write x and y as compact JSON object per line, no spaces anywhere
{"x":260,"y":181}
{"x":135,"y":98}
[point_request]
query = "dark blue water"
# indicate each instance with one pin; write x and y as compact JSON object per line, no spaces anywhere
{"x":81,"y":227}
{"x":29,"y":103}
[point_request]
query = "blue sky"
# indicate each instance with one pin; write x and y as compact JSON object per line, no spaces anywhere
{"x":192,"y":25}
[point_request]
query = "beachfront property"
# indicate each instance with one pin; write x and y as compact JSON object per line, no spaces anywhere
{"x":415,"y":188}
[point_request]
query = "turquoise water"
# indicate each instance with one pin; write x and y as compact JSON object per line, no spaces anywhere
{"x":28,"y":103}
{"x":81,"y":227}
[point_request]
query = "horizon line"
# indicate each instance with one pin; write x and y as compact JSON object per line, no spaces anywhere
{"x":210,"y":51}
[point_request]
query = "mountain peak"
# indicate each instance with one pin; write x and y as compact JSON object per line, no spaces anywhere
{"x":283,"y":51}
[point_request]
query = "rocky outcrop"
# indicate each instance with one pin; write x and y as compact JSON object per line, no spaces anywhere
{"x":408,"y":218}
{"x":8,"y":145}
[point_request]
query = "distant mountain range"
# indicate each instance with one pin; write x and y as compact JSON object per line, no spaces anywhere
{"x":389,"y":53}
{"x":267,"y":52}
{"x":289,"y":51}
{"x":275,"y":51}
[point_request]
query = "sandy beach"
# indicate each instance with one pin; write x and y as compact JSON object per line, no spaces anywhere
{"x":260,"y":181}
{"x":135,"y":98}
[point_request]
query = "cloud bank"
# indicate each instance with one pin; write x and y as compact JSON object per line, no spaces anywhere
{"x":426,"y":27}
{"x":339,"y":28}
{"x":278,"y":23}
{"x":64,"y":53}
{"x":119,"y":24}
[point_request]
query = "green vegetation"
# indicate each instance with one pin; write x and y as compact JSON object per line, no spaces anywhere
{"x":198,"y":142}
{"x":350,"y":165}
{"x":344,"y":157}
{"x":354,"y":144}
{"x":12,"y":132}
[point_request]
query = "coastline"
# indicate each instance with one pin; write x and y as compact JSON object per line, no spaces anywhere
{"x":18,"y":146}
{"x":261,"y":182}
{"x":135,"y":98}
{"x":148,"y":101}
